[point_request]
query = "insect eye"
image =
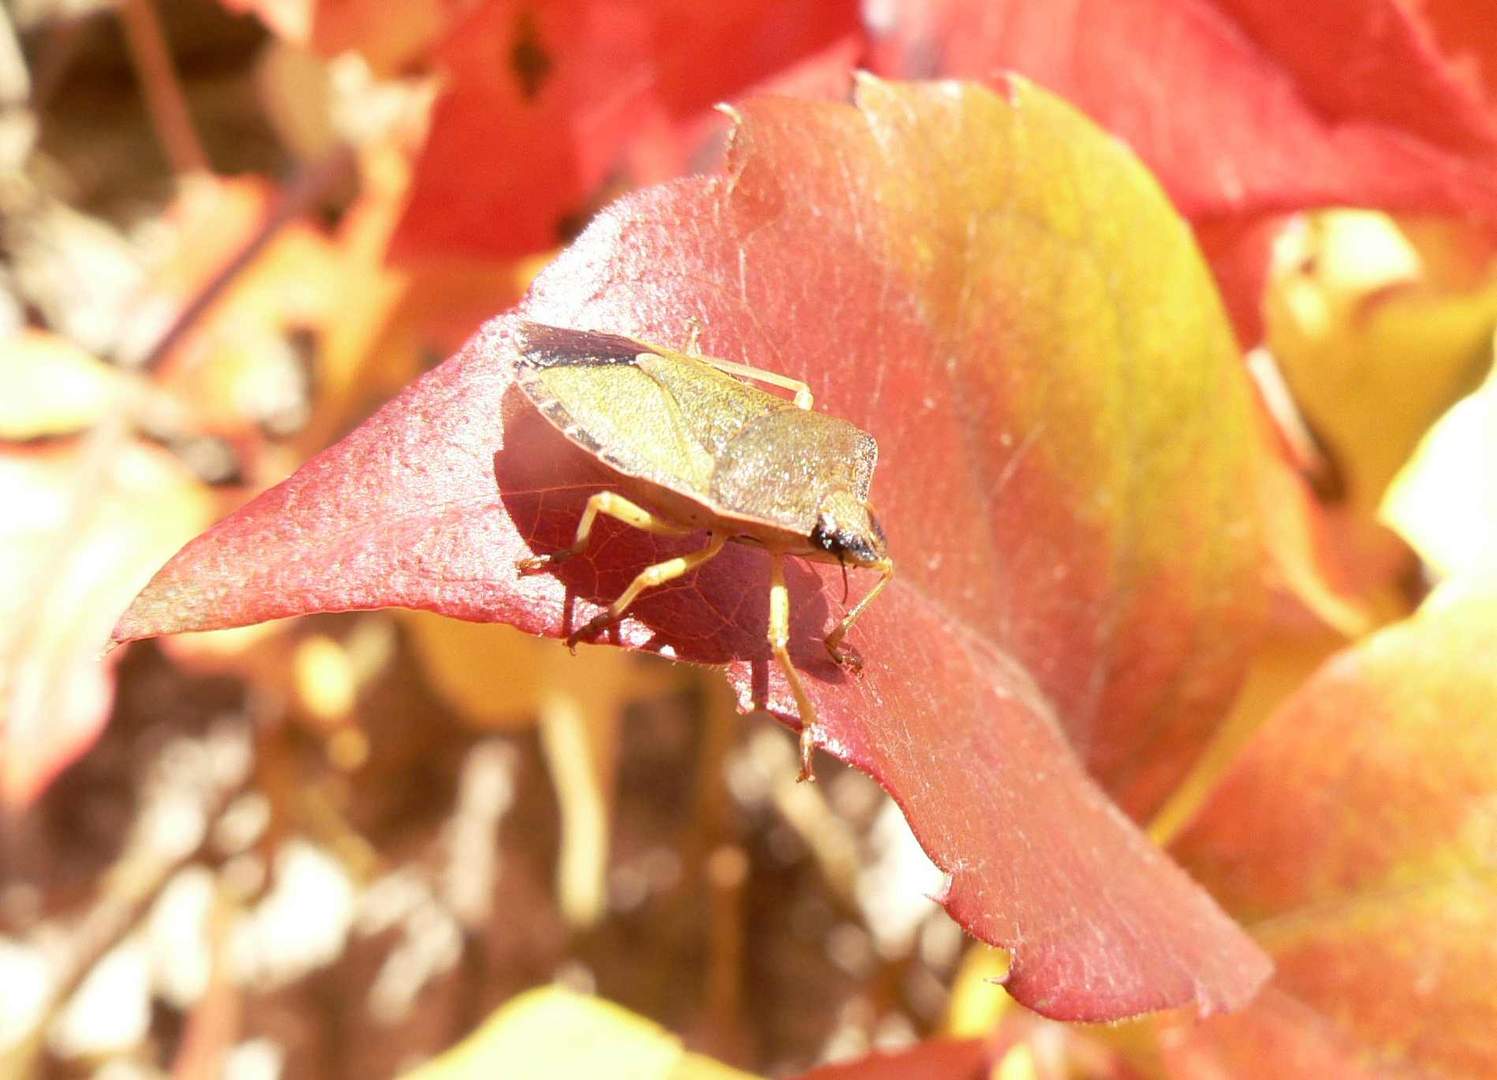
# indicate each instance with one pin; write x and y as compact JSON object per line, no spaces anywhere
{"x":824,"y":535}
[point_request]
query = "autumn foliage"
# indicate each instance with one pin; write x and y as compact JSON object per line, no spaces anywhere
{"x":1173,"y":320}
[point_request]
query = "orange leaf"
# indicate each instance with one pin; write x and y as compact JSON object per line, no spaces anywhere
{"x":49,"y":386}
{"x":1444,"y":501}
{"x":84,"y":525}
{"x":1354,"y":836}
{"x":1378,"y":330}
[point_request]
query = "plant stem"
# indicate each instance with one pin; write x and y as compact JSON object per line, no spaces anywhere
{"x":163,"y":92}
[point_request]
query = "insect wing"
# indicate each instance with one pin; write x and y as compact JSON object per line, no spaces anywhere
{"x":592,"y":388}
{"x":648,"y":412}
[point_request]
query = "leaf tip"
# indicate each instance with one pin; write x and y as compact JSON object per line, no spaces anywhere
{"x":125,"y":631}
{"x":135,"y":623}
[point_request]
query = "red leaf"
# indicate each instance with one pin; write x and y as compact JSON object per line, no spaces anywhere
{"x":1067,"y":439}
{"x":545,"y":100}
{"x":1464,"y":29}
{"x":1241,"y":107}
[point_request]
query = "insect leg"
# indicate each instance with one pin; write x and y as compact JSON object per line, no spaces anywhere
{"x":648,"y":578}
{"x":614,"y":506}
{"x":845,"y":654}
{"x":773,"y":378}
{"x":779,"y":638}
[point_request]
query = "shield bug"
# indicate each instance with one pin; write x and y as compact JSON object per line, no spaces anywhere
{"x":697,"y":448}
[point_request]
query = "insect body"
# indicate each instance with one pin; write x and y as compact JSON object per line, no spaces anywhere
{"x":707,"y":451}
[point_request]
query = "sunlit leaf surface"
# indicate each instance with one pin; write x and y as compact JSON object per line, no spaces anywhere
{"x":1001,"y":295}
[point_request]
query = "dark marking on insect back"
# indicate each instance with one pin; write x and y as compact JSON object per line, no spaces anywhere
{"x":558,"y":346}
